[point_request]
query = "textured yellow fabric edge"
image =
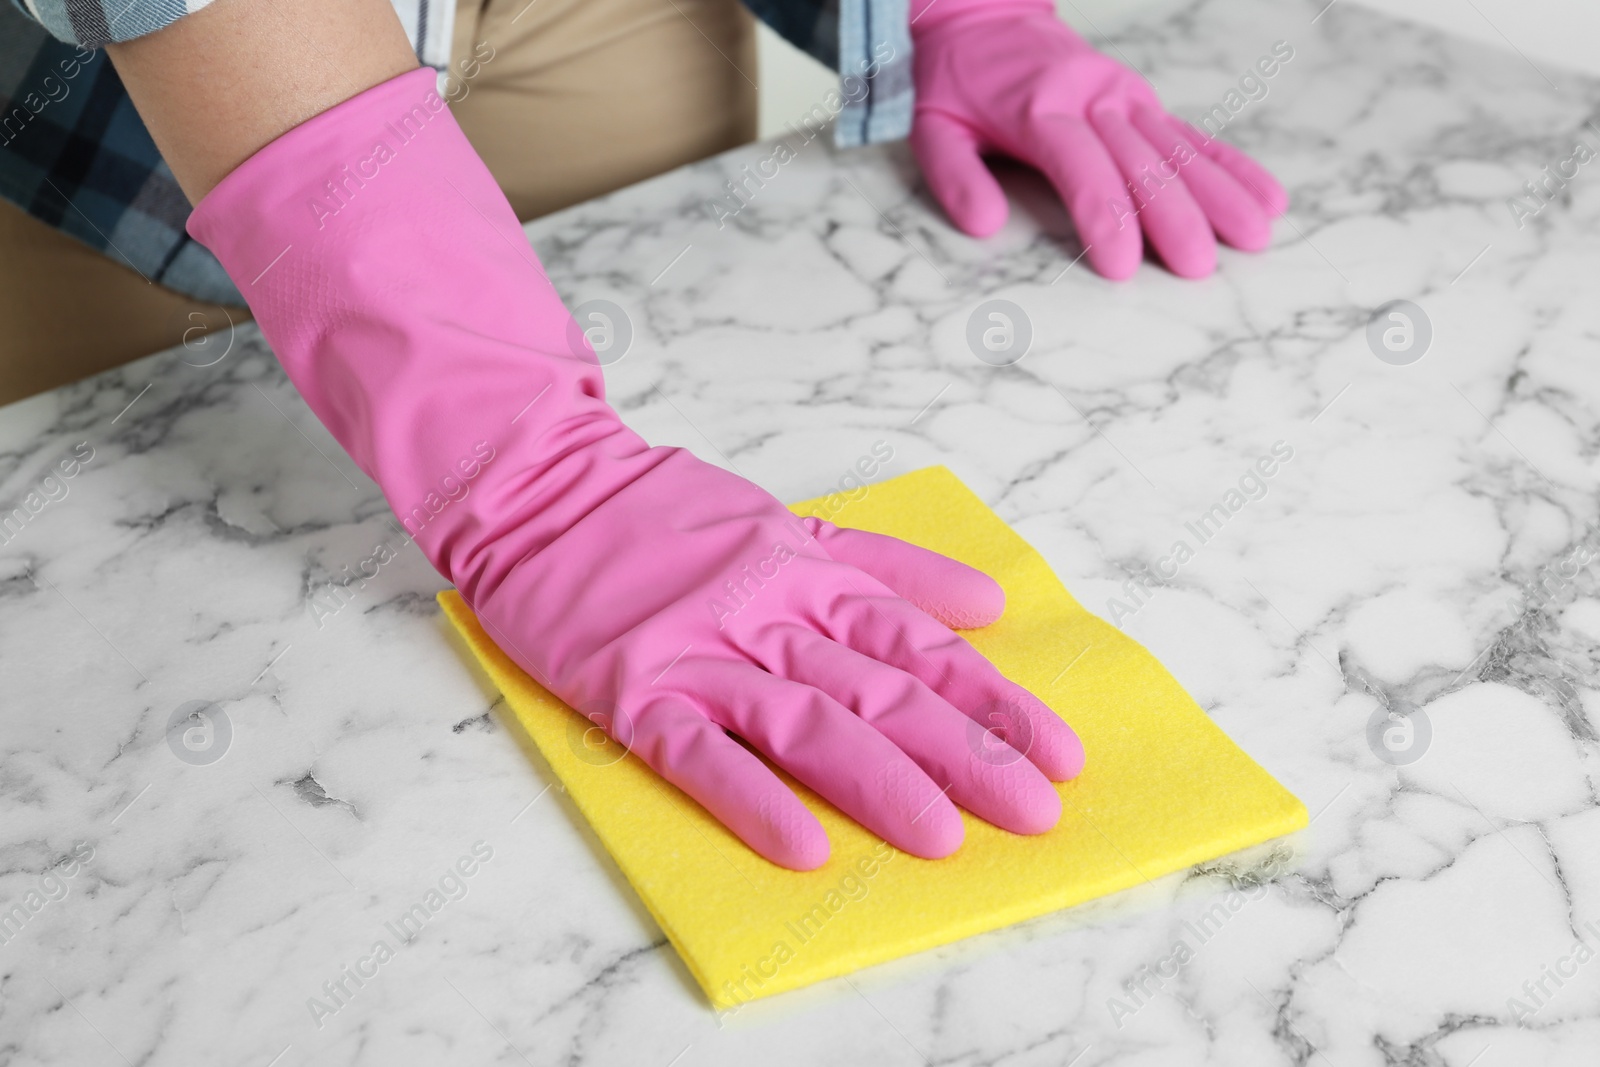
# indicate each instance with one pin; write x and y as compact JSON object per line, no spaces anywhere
{"x":1035,"y":595}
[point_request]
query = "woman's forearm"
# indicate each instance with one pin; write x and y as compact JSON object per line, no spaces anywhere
{"x":218,"y":85}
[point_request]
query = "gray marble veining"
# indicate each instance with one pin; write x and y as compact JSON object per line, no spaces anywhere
{"x":1424,"y":554}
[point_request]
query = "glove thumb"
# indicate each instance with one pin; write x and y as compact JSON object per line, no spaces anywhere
{"x":959,"y":596}
{"x":947,"y":150}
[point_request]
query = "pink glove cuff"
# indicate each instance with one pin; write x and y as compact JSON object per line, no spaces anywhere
{"x":361,"y":239}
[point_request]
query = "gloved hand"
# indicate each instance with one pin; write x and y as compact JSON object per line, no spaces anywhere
{"x":672,"y":602}
{"x":1008,"y":77}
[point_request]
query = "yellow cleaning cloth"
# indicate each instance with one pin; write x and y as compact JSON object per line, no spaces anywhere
{"x":1164,"y":788}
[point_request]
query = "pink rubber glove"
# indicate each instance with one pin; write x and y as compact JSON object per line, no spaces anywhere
{"x":671,"y":601}
{"x":1008,"y":77}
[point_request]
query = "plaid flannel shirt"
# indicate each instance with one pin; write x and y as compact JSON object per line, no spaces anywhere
{"x":75,"y":155}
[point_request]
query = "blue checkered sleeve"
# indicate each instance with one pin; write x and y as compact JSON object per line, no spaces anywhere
{"x":869,"y":43}
{"x":75,"y":155}
{"x":97,"y":23}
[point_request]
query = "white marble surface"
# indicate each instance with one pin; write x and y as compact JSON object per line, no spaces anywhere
{"x":1385,"y":567}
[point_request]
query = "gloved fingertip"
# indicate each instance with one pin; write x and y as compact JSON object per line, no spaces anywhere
{"x":968,"y":599}
{"x":806,"y":855}
{"x":935,"y":834}
{"x":960,"y":180}
{"x":1192,"y":259}
{"x":1063,"y":760}
{"x":1045,"y":739}
{"x":787,"y":833}
{"x":1012,"y":793}
{"x":1275,"y":197}
{"x":1039,"y":814}
{"x":1263,"y":188}
{"x":1247,"y":234}
{"x":976,"y":211}
{"x":1108,"y":226}
{"x":1116,"y":260}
